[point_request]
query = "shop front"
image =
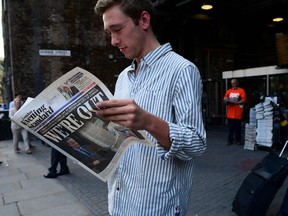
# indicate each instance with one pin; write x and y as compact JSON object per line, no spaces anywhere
{"x":261,"y":82}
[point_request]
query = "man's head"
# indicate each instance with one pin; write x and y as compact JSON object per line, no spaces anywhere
{"x":132,"y":8}
{"x":66,"y":88}
{"x":128,"y":23}
{"x":72,"y":143}
{"x":234,"y":83}
{"x":17,"y":103}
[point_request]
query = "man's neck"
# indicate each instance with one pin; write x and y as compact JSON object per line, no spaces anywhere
{"x":150,"y":45}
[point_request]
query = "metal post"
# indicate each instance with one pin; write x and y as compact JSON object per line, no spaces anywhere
{"x":267,"y":84}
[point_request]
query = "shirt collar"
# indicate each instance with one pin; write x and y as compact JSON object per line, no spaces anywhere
{"x":152,"y":56}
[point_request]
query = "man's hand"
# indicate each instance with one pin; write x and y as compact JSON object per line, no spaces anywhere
{"x":124,"y":112}
{"x":226,"y":101}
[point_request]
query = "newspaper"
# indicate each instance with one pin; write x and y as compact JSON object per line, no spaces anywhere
{"x":63,"y":115}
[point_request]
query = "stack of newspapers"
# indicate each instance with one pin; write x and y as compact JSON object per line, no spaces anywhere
{"x":250,"y":131}
{"x":264,"y":123}
{"x":250,"y":137}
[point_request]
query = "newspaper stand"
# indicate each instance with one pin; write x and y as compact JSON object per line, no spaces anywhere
{"x":268,"y":127}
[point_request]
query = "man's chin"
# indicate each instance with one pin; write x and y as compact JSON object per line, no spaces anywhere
{"x":128,"y":56}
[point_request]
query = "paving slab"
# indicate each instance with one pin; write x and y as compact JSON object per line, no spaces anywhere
{"x":24,"y":191}
{"x":10,"y":210}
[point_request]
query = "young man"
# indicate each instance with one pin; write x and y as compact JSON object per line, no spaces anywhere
{"x":235,"y":99}
{"x":160,"y":92}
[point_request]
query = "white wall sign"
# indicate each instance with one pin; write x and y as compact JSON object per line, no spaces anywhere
{"x":43,"y":52}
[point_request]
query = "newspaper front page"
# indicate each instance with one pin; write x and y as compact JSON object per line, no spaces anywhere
{"x":63,"y":115}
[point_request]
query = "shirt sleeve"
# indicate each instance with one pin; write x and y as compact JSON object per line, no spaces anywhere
{"x":187,"y":133}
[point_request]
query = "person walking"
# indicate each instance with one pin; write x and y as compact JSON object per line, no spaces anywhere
{"x":234,"y":99}
{"x":160,"y":93}
{"x":16,"y":96}
{"x":17,"y":130}
{"x":57,"y":158}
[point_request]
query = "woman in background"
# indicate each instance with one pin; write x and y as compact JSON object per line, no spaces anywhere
{"x":17,"y":130}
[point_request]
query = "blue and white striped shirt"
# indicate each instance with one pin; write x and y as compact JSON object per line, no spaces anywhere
{"x":153,"y":180}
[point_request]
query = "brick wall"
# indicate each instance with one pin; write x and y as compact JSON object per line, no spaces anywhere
{"x":58,"y":25}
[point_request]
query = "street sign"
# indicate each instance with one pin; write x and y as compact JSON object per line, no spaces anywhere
{"x":43,"y":52}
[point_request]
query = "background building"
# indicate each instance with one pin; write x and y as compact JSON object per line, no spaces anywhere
{"x":44,"y":39}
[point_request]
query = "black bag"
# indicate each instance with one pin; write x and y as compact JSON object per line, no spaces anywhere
{"x":272,"y":168}
{"x":284,"y":206}
{"x":261,"y":185}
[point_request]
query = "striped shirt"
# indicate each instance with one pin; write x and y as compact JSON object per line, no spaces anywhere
{"x":154,"y":180}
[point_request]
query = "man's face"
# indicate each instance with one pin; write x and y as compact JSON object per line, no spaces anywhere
{"x":124,"y":33}
{"x":66,"y":88}
{"x":72,"y":143}
{"x":234,"y":84}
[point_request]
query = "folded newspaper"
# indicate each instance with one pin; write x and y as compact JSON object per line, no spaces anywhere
{"x":63,"y":115}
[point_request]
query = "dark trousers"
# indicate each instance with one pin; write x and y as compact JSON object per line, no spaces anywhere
{"x":234,"y":128}
{"x":57,"y":157}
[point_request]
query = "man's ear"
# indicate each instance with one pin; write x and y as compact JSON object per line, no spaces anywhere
{"x":145,"y":20}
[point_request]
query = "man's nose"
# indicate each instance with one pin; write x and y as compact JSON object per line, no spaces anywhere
{"x":114,"y":40}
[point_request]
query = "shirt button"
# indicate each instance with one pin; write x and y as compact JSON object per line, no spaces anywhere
{"x":117,"y":188}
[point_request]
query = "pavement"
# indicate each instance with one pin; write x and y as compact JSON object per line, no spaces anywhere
{"x":24,"y":191}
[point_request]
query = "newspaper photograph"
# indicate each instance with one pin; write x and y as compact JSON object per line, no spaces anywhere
{"x":63,"y":115}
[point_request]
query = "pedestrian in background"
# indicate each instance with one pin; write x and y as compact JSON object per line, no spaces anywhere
{"x":17,"y":130}
{"x":234,"y":99}
{"x":16,"y":96}
{"x":57,"y":158}
{"x":160,"y":93}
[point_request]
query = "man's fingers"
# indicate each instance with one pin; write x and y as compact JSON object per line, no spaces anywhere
{"x":113,"y":103}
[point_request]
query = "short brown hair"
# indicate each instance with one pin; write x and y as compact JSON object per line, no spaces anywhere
{"x":133,"y":8}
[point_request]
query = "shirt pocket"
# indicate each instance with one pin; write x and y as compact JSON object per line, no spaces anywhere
{"x":154,"y":101}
